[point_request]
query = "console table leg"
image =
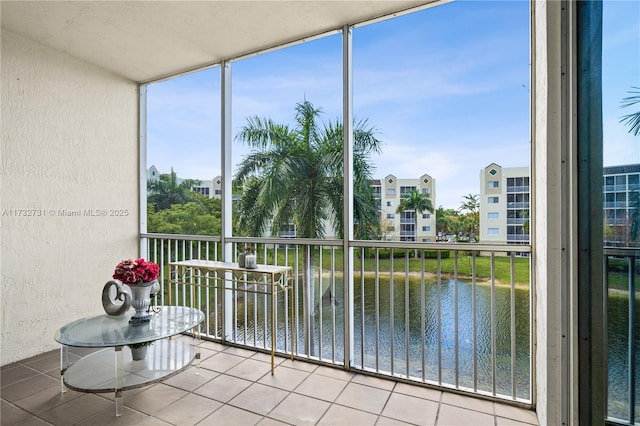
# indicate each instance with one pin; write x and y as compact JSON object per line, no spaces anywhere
{"x":294,"y":337}
{"x":273,"y":323}
{"x":119,"y":380}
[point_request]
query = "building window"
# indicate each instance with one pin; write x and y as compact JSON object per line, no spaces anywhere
{"x":493,"y":184}
{"x":493,"y":200}
{"x":404,"y":190}
{"x":425,"y":191}
{"x":493,"y":215}
{"x":493,"y":172}
{"x":426,"y":215}
{"x":391,"y":216}
{"x":389,"y":203}
{"x":493,"y":231}
{"x":426,"y":228}
{"x":218,"y":191}
{"x":202,"y":190}
{"x":391,"y":191}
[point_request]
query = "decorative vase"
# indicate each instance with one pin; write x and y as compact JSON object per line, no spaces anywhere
{"x":241,"y":259}
{"x":121,"y":303}
{"x":139,"y":353}
{"x":141,"y":300}
{"x":250,"y":261}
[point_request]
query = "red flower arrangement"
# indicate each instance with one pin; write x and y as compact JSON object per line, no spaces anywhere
{"x":137,"y":271}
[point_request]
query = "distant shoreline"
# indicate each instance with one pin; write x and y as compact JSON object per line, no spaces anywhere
{"x":479,"y":281}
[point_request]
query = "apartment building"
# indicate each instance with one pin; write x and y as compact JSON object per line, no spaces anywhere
{"x":209,"y":188}
{"x":504,"y":204}
{"x":402,"y":226}
{"x":621,"y":189}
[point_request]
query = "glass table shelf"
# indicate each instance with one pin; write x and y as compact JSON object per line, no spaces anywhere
{"x":95,"y":372}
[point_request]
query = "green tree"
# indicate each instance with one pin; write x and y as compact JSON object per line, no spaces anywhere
{"x":471,"y":205}
{"x":633,"y":119}
{"x":199,"y":217}
{"x":293,"y":176}
{"x":634,"y":217}
{"x":446,"y":220}
{"x":419,"y":203}
{"x":166,"y":191}
{"x":527,"y":223}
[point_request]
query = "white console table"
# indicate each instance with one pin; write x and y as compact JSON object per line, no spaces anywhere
{"x":271,"y":280}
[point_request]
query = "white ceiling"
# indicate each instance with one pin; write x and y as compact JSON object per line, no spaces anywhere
{"x":148,"y":40}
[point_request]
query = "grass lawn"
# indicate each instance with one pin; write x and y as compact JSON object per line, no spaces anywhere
{"x":333,"y":258}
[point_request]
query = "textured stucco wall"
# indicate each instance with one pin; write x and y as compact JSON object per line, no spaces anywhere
{"x":550,"y":261}
{"x":69,"y":150}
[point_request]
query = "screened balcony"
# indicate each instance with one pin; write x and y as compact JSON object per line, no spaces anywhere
{"x":75,"y":78}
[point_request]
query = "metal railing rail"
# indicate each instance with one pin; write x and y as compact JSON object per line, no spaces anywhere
{"x":631,"y":257}
{"x":413,"y":321}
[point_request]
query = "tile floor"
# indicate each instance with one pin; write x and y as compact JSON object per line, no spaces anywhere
{"x":235,"y":387}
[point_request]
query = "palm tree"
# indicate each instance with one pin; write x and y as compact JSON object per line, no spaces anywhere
{"x":471,"y":204}
{"x":633,"y":121}
{"x":294,"y":176}
{"x":166,"y":191}
{"x":419,"y":203}
{"x":634,"y":217}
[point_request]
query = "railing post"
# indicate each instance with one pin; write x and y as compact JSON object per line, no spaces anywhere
{"x":347,"y":171}
{"x":632,"y":339}
{"x":142,"y":168}
{"x":227,"y":197}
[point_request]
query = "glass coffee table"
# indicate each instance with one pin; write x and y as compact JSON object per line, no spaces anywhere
{"x":114,"y":370}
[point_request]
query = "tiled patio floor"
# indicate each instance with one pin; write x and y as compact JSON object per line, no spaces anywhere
{"x":235,"y":387}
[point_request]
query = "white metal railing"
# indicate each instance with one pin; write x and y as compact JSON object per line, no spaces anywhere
{"x":439,"y":314}
{"x":523,"y":188}
{"x":517,"y":204}
{"x":622,"y":270}
{"x":516,"y":220}
{"x":615,"y":188}
{"x":615,"y":204}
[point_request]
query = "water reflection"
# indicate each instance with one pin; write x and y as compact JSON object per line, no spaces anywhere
{"x":393,"y":339}
{"x":618,"y":359}
{"x":380,"y":312}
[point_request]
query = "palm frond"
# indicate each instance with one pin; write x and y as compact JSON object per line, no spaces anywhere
{"x":633,"y":119}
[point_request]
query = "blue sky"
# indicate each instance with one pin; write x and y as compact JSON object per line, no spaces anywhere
{"x":447,"y":90}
